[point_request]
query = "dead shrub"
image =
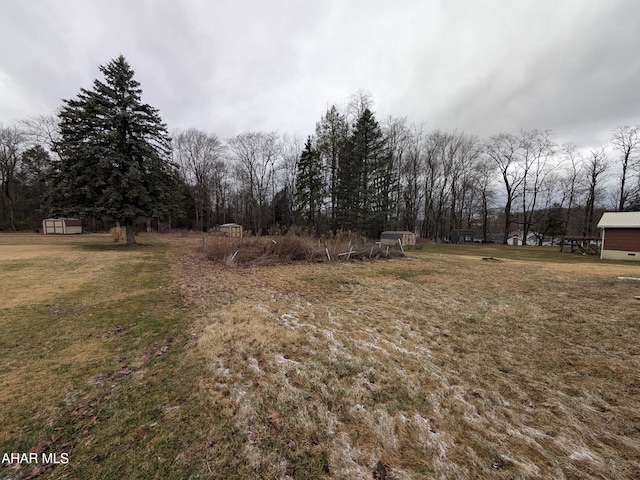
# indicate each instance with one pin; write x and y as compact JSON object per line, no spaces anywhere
{"x":117,"y":234}
{"x":220,"y":248}
{"x":274,"y":250}
{"x":271,"y":250}
{"x":293,"y":248}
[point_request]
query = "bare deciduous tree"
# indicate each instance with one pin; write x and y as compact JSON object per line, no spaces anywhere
{"x":570,"y":182}
{"x":199,"y":156}
{"x":358,"y":102}
{"x":285,"y":179}
{"x":596,"y":165}
{"x":537,"y":150}
{"x":503,"y":149}
{"x":626,"y":140}
{"x":12,"y":143}
{"x":396,"y":135}
{"x":256,"y":154}
{"x":43,"y":130}
{"x":485,"y":170}
{"x":411,"y":173}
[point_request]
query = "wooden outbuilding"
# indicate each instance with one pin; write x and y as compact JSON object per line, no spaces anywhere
{"x":231,"y":230}
{"x":392,"y":237}
{"x":61,"y":226}
{"x":620,"y":235}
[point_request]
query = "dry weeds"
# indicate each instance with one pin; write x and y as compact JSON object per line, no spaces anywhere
{"x":117,"y":234}
{"x":275,"y":250}
{"x":433,"y":366}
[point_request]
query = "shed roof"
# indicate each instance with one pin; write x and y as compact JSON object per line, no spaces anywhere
{"x":620,"y":220}
{"x":395,"y":233}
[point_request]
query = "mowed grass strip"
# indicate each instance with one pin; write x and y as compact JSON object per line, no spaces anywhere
{"x":93,"y":357}
{"x":438,"y":365}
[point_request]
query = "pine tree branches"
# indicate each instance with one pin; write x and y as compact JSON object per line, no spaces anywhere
{"x":115,"y":153}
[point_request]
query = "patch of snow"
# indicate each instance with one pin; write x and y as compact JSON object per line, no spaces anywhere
{"x":240,"y":395}
{"x":430,"y":437}
{"x":368,"y":345}
{"x":280,"y":360}
{"x":253,"y":364}
{"x":581,"y":454}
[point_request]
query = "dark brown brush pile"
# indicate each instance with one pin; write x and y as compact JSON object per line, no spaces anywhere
{"x":278,"y":250}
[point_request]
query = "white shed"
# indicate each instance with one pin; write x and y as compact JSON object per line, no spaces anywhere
{"x":61,"y":226}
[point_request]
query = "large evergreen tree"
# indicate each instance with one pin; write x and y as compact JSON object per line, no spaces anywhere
{"x":114,"y":154}
{"x":332,"y":138}
{"x":309,"y":187}
{"x":33,"y":186}
{"x":364,"y":178}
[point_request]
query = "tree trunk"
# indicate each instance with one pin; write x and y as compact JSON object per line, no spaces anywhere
{"x":507,"y":221}
{"x":131,"y":234}
{"x":9,"y":195}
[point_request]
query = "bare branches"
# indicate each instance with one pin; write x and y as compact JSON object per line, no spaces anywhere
{"x":256,"y":154}
{"x":626,"y":140}
{"x":596,"y":165}
{"x":199,"y":156}
{"x":12,"y":143}
{"x":43,"y":130}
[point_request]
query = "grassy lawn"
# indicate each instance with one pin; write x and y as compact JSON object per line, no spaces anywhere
{"x":152,"y":362}
{"x":528,"y":253}
{"x":92,"y":350}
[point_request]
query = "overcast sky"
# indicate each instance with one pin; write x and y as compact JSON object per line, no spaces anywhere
{"x":235,"y":66}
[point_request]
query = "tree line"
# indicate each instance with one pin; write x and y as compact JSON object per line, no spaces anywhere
{"x":107,"y":157}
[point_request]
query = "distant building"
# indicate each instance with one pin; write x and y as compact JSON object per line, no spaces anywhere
{"x":61,"y":226}
{"x":392,"y":237}
{"x":514,"y":240}
{"x":459,"y":235}
{"x":620,"y":235}
{"x":231,"y":230}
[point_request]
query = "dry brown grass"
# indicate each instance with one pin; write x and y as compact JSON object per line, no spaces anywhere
{"x":33,"y":273}
{"x":91,"y":340}
{"x":436,"y":365}
{"x":34,"y":270}
{"x":439,"y":366}
{"x":274,"y":250}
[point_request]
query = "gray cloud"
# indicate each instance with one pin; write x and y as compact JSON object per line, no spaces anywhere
{"x":235,"y":66}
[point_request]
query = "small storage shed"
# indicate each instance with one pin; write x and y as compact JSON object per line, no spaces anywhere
{"x":459,"y":235}
{"x":392,"y":237}
{"x":231,"y":230}
{"x":620,"y":236}
{"x":61,"y":226}
{"x":514,"y":240}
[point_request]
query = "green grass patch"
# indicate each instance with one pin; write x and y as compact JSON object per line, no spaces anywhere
{"x":94,"y":362}
{"x":528,"y":253}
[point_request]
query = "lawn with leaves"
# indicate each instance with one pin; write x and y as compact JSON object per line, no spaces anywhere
{"x":159,"y":363}
{"x":94,"y":370}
